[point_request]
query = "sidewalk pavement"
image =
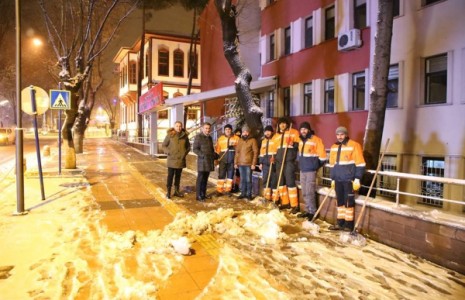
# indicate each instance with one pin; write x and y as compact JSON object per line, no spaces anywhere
{"x":129,"y":202}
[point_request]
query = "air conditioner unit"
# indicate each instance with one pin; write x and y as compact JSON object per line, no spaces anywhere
{"x":349,"y":40}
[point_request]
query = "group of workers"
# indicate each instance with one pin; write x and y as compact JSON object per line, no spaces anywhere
{"x":277,"y":156}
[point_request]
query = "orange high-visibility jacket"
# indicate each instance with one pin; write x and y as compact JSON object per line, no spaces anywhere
{"x":349,"y":163}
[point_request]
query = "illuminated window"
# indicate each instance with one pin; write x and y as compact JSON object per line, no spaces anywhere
{"x":163,"y":62}
{"x":178,"y":63}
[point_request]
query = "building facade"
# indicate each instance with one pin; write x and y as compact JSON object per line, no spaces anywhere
{"x":166,"y":62}
{"x":320,"y":54}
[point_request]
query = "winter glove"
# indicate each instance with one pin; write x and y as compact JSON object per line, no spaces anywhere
{"x":333,"y":184}
{"x":356,"y":184}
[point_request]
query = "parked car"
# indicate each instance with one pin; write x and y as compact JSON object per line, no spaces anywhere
{"x":7,"y":136}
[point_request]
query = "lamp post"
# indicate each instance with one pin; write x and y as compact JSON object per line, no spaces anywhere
{"x":19,"y":126}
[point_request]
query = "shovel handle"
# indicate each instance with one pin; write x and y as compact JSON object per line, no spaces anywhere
{"x":371,"y":186}
{"x":321,"y":206}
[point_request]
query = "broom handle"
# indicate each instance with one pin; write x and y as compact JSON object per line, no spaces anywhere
{"x":269,"y":175}
{"x":371,"y":185}
{"x":284,"y":157}
{"x":321,"y":205}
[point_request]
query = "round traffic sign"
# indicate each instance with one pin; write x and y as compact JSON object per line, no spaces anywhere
{"x":42,"y":100}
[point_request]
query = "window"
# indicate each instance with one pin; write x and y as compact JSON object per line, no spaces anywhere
{"x":272,"y":46}
{"x":192,"y":112}
{"x":432,"y":167}
{"x":308,"y":32}
{"x":287,"y":101}
{"x":163,"y":62}
{"x":329,"y":96}
{"x":287,"y":41}
{"x":163,"y":114}
{"x":308,"y":98}
{"x":388,"y":182}
{"x":270,"y":107}
{"x":132,"y":72}
{"x":393,"y":87}
{"x":396,"y":8}
{"x":360,"y":14}
{"x":194,"y":65}
{"x":147,"y":65}
{"x":330,"y":24}
{"x":436,"y":79}
{"x":358,"y":91}
{"x":178,"y":65}
{"x":428,"y":2}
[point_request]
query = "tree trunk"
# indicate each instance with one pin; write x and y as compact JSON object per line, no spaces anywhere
{"x":378,"y":92}
{"x":252,"y":112}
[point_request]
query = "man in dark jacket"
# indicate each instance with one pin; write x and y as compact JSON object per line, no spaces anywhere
{"x":176,"y":145}
{"x":206,"y":156}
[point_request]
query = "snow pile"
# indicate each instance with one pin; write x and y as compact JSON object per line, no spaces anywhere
{"x":265,"y":225}
{"x":238,"y":277}
{"x":311,"y":227}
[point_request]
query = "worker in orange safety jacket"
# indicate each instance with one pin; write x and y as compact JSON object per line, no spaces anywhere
{"x":286,"y":138}
{"x":267,"y":164}
{"x":225,"y":148}
{"x":347,"y":166}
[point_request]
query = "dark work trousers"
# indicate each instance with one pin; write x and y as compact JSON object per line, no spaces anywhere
{"x":288,"y":176}
{"x":266,"y":169}
{"x":176,"y":174}
{"x":225,"y":170}
{"x":201,"y":184}
{"x":345,"y":196}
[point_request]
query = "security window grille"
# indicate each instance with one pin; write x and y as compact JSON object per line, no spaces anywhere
{"x":393,"y":87}
{"x":358,"y":91}
{"x":308,"y":32}
{"x":432,"y":167}
{"x":360,"y":14}
{"x":330,"y":24}
{"x":388,"y":182}
{"x":326,"y":173}
{"x":272,"y":46}
{"x":308,"y":98}
{"x":436,"y":79}
{"x":287,"y":101}
{"x":329,"y":96}
{"x":163,"y":62}
{"x":194,"y":65}
{"x":287,"y":41}
{"x":270,"y":105}
{"x":178,"y":64}
{"x":132,"y":72}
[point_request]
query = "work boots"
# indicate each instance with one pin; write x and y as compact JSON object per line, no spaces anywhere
{"x":177,"y":193}
{"x":168,"y":192}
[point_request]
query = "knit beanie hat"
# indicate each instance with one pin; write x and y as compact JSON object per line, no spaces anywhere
{"x":269,"y":128}
{"x":284,"y":120}
{"x":245,"y":128}
{"x":305,"y":125}
{"x":228,"y":126}
{"x":342,"y":129}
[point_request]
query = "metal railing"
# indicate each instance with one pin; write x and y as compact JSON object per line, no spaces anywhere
{"x":401,"y":178}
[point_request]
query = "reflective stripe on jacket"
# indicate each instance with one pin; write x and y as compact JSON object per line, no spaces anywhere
{"x":311,"y":154}
{"x":267,"y":149}
{"x":349,"y":163}
{"x":222,"y":146}
{"x":290,"y":139}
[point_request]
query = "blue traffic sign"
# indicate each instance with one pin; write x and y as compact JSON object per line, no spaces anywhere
{"x":60,"y":99}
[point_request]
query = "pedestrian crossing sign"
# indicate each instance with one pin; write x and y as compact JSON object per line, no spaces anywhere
{"x":60,"y":99}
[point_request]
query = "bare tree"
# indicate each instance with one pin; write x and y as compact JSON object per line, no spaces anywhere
{"x":79,"y":31}
{"x":252,"y":113}
{"x":378,"y":92}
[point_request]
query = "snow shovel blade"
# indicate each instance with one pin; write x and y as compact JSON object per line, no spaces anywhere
{"x":311,"y":227}
{"x":353,"y":238}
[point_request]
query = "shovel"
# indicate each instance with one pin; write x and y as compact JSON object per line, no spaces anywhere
{"x":354,"y":237}
{"x":315,"y":228}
